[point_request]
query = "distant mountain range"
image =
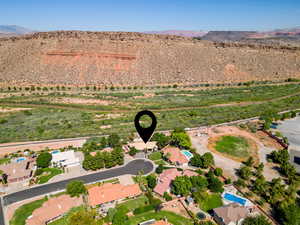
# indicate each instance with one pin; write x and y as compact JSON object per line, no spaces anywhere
{"x":184,"y":33}
{"x":13,"y":30}
{"x":290,"y":34}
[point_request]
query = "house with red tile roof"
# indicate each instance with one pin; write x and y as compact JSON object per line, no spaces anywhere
{"x":175,"y":156}
{"x":108,"y":193}
{"x":167,"y":176}
{"x":53,"y":209}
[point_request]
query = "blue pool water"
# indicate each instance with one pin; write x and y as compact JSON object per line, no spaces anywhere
{"x":20,"y":159}
{"x":55,"y":152}
{"x":234,"y":198}
{"x":187,"y":154}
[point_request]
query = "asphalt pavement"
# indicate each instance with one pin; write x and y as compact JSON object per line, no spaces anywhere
{"x":133,"y":168}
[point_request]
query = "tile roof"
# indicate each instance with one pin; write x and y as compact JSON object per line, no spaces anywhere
{"x":175,"y":155}
{"x":53,"y":208}
{"x":165,"y":180}
{"x":110,"y":192}
{"x":161,"y":222}
{"x":166,"y":177}
{"x":189,"y":173}
{"x":231,"y":213}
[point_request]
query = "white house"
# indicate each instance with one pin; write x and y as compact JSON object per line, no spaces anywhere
{"x":66,"y":159}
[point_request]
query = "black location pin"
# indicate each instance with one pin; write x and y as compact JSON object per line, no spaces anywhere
{"x":145,"y":133}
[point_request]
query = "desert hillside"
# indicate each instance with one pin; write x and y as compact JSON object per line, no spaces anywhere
{"x":123,"y":58}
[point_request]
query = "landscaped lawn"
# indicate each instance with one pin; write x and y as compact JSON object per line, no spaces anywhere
{"x":47,"y":174}
{"x":160,"y":162}
{"x":23,"y":212}
{"x":4,"y":160}
{"x":208,"y":201}
{"x":232,"y":145}
{"x":64,"y":219}
{"x":155,"y":156}
{"x":172,"y":218}
{"x":131,"y":205}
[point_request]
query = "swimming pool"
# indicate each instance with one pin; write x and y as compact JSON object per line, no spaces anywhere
{"x":20,"y":159}
{"x":234,"y":198}
{"x":55,"y":152}
{"x":187,"y":154}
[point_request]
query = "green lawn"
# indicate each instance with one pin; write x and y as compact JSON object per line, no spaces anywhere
{"x":208,"y":201}
{"x":232,"y":145}
{"x":131,"y":205}
{"x":64,"y":219}
{"x":23,"y":212}
{"x":160,"y":162}
{"x":47,"y":174}
{"x":155,"y":156}
{"x":4,"y":160}
{"x":172,"y":218}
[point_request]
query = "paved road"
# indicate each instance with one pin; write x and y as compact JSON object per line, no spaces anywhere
{"x":132,"y":167}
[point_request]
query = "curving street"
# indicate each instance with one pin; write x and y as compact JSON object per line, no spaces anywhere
{"x":133,"y":168}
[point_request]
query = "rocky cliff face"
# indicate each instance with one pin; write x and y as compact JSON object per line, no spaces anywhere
{"x":125,"y":58}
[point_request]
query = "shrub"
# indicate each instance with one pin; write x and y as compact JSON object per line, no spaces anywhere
{"x":218,"y":172}
{"x":143,"y":209}
{"x":44,"y":159}
{"x":167,"y":197}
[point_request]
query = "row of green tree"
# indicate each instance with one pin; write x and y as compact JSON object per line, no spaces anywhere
{"x":103,"y":159}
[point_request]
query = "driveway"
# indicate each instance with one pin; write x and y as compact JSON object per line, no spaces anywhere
{"x":133,"y":168}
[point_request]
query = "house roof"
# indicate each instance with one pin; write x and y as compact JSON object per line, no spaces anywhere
{"x":175,"y":155}
{"x":231,"y":213}
{"x":165,"y":179}
{"x":110,"y":192}
{"x":52,"y":209}
{"x":189,"y":173}
{"x":161,"y":222}
{"x":141,"y":145}
{"x":18,"y":169}
{"x":67,"y":157}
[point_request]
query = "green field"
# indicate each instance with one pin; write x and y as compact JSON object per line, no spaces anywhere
{"x":232,"y":145}
{"x":48,"y":119}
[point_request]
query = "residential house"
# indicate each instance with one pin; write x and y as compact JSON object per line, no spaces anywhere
{"x":65,"y":159}
{"x":53,"y":209}
{"x":18,"y":170}
{"x":167,"y":176}
{"x":175,"y":156}
{"x":141,"y":146}
{"x":107,"y":195}
{"x":232,"y":214}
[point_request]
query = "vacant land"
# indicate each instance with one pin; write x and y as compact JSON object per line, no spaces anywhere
{"x":173,"y":108}
{"x":232,"y":145}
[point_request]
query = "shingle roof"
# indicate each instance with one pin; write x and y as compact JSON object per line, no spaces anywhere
{"x":231,"y":213}
{"x":110,"y":192}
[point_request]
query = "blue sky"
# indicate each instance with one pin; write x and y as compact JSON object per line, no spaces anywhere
{"x":146,"y":15}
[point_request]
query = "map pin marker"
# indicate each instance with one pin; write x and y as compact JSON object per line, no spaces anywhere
{"x":145,"y":133}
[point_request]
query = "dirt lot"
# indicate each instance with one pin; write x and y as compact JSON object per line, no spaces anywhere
{"x":6,"y":109}
{"x":82,"y":101}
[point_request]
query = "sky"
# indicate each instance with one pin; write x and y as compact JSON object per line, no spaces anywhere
{"x":149,"y":15}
